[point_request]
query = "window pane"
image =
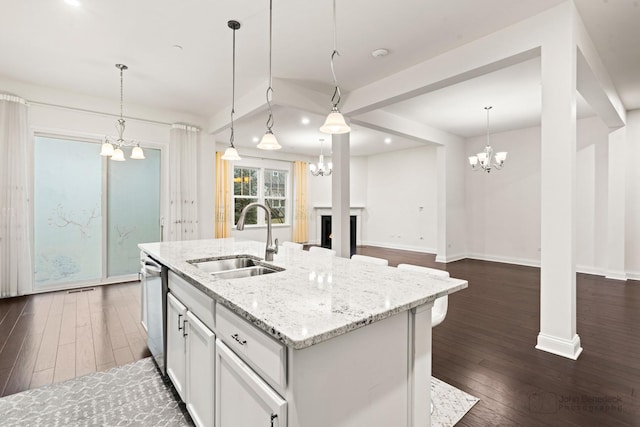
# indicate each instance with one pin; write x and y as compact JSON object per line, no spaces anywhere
{"x":133,"y":211}
{"x":275,"y":183}
{"x":252,"y":214}
{"x":278,"y":212}
{"x":245,"y":182}
{"x":67,"y":211}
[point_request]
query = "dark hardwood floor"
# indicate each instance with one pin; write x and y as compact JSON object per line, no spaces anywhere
{"x":52,"y":337}
{"x":485,"y":346}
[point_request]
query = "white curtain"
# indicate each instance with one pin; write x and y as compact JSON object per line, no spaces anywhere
{"x":16,"y":170}
{"x":183,"y":184}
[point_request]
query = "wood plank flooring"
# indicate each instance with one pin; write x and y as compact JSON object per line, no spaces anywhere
{"x":485,"y":346}
{"x":53,"y":337}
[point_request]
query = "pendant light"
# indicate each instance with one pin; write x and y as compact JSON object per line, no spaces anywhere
{"x":114,"y":149}
{"x":335,"y":123}
{"x":269,"y":141}
{"x":321,"y":168}
{"x":231,"y":154}
{"x":483,"y":160}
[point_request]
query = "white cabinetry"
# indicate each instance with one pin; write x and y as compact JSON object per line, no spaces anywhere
{"x":176,"y":345}
{"x":200,"y":371}
{"x":242,"y":397}
{"x":190,"y":352}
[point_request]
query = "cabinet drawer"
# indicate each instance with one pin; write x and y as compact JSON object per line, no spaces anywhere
{"x":200,"y":304}
{"x":263,"y":353}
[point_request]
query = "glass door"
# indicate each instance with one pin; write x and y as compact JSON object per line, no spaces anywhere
{"x":91,"y":213}
{"x":133,"y":211}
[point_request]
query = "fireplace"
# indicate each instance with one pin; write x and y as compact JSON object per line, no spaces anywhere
{"x":325,"y":232}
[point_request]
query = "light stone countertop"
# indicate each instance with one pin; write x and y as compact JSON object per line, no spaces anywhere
{"x":314,"y":299}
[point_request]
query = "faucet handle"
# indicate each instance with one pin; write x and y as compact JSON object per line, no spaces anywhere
{"x":275,"y":247}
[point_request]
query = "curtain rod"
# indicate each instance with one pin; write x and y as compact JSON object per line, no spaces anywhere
{"x":99,"y":113}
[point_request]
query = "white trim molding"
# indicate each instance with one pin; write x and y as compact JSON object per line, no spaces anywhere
{"x":570,"y":349}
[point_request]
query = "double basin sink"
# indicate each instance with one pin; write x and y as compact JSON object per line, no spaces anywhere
{"x":235,"y":267}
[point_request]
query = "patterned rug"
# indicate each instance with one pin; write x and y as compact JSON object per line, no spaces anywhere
{"x":136,"y":395}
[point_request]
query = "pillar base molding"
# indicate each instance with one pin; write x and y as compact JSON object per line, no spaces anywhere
{"x":570,"y":349}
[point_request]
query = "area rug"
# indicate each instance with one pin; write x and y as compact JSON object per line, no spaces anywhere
{"x":136,"y":395}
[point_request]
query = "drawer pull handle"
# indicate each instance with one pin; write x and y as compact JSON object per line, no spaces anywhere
{"x":273,"y":417}
{"x":184,"y":328}
{"x":238,"y":339}
{"x":180,"y":327}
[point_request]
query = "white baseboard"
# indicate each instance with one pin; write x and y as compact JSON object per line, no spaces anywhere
{"x":570,"y":349}
{"x":616,"y":275}
{"x":400,"y":247}
{"x":506,"y":260}
{"x":633,"y":275}
{"x":587,"y":269}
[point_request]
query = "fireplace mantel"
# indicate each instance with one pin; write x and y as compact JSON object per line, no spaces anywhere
{"x":327,"y":210}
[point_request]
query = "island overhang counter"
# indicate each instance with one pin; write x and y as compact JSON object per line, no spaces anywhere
{"x":356,"y":338}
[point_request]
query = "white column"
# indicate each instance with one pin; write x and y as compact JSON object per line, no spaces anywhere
{"x":558,"y":193}
{"x":451,"y":163}
{"x":340,"y":195}
{"x":616,"y":217}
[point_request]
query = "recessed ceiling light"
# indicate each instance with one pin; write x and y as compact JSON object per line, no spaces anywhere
{"x":387,"y":140}
{"x":75,"y":3}
{"x":379,"y":53}
{"x":256,"y":139}
{"x":305,"y":120}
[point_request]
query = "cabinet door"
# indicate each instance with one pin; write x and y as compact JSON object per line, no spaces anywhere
{"x":201,"y":359}
{"x":176,"y":344}
{"x":242,"y":397}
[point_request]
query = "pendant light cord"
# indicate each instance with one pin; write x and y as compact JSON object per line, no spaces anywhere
{"x":233,"y":86}
{"x":335,"y":98}
{"x":270,"y":88}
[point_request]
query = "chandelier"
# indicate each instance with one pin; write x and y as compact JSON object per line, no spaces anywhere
{"x":335,"y":123}
{"x":321,"y":168}
{"x":113,"y":148}
{"x":485,"y":160}
{"x":231,"y":153}
{"x":269,"y":141}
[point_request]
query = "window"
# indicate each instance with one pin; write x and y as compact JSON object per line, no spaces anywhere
{"x":265,"y":185}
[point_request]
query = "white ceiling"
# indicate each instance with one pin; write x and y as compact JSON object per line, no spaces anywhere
{"x":52,"y":44}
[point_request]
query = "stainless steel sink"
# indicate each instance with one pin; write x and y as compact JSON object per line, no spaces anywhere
{"x":256,"y":270}
{"x":235,"y":267}
{"x":225,"y":264}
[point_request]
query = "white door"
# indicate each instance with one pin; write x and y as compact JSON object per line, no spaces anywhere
{"x":176,"y":344}
{"x":242,"y":397}
{"x":201,"y":359}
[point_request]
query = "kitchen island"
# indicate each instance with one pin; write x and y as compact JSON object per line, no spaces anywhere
{"x":324,"y":342}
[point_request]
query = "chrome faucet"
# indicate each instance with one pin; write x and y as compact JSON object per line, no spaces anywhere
{"x":270,"y":249}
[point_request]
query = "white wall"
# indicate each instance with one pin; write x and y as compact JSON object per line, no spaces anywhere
{"x":633,"y":196}
{"x":67,"y":114}
{"x":402,"y":200}
{"x":503,"y":207}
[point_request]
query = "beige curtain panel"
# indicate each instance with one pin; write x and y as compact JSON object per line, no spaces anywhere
{"x":300,"y":232}
{"x":223,"y":198}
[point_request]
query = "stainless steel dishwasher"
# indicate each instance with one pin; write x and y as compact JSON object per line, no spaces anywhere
{"x":154,"y":292}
